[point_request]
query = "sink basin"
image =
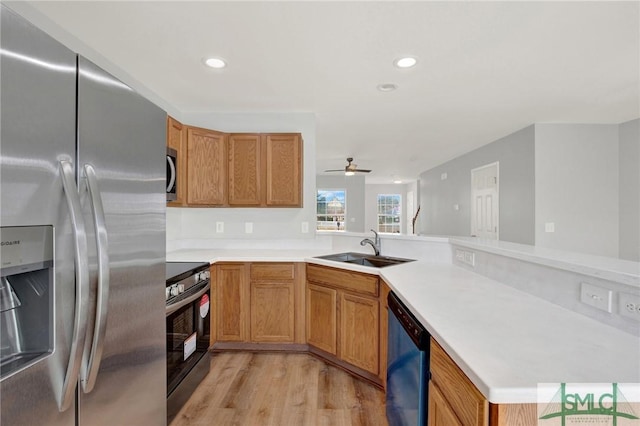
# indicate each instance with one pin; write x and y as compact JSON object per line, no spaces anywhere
{"x":365,"y":259}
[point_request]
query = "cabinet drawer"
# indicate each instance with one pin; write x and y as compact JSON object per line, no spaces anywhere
{"x":348,"y":280}
{"x":468,"y":404}
{"x":272,"y":271}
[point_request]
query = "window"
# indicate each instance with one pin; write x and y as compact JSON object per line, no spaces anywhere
{"x":389,"y":210}
{"x":331,"y":209}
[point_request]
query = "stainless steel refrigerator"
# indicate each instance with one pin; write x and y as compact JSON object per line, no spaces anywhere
{"x":82,"y":202}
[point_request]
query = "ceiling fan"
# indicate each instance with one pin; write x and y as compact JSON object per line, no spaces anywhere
{"x":350,"y":169}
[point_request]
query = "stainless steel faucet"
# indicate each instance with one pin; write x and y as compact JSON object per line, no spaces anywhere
{"x":375,"y":244}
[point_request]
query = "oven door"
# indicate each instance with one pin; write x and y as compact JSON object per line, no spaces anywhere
{"x":188,"y":332}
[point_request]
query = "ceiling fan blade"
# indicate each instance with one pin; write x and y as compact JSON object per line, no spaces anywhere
{"x":335,"y":170}
{"x":361,"y":171}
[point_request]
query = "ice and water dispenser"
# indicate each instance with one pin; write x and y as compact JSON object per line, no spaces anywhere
{"x":26,"y":296}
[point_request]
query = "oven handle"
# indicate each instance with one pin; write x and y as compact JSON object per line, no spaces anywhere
{"x":172,"y":308}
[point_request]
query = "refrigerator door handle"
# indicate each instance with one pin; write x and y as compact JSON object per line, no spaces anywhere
{"x":91,"y":360}
{"x":67,"y":395}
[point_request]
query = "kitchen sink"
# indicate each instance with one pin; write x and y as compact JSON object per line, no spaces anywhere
{"x":365,"y":259}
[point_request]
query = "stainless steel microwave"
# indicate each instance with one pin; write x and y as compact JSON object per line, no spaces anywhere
{"x":172,"y":173}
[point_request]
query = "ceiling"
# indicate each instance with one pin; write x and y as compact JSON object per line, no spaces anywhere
{"x":485,"y":69}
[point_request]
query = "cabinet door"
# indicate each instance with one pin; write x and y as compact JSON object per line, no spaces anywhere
{"x":439,"y":412}
{"x":206,"y":167}
{"x":283,"y":164}
{"x":232,"y":302}
{"x":244,"y":170}
{"x":272,"y":312}
{"x":321,"y":317}
{"x":176,"y":140}
{"x":359,"y":331}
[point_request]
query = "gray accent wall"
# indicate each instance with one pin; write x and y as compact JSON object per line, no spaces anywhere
{"x":354,"y":185}
{"x":577,"y":187}
{"x":629,"y":244}
{"x":438,"y":197}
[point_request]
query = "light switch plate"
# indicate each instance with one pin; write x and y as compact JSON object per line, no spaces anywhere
{"x":595,"y":296}
{"x":219,"y":227}
{"x":248,"y":227}
{"x":305,"y":227}
{"x":550,"y":227}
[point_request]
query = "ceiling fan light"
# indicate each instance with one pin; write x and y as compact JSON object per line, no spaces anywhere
{"x":349,"y":173}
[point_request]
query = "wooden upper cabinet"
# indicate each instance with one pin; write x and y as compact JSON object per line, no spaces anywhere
{"x":206,"y":167}
{"x":283,"y":169}
{"x":218,"y":169}
{"x":245,"y":183}
{"x":176,"y":140}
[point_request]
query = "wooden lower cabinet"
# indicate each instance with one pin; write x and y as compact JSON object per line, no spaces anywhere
{"x":440,"y":412}
{"x":454,"y":394}
{"x":259,"y":302}
{"x":454,"y":400}
{"x":272,"y":312}
{"x":321,"y":321}
{"x":359,"y":323}
{"x":343,"y":320}
{"x":232,"y":302}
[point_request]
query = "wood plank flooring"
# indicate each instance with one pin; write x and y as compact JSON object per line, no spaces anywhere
{"x":261,"y":389}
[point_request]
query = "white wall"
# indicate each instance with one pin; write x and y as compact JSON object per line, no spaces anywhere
{"x":354,"y":187}
{"x":630,"y":190}
{"x":268,"y":223}
{"x":576,"y":187}
{"x":371,"y":204}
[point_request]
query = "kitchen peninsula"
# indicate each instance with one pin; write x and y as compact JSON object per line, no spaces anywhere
{"x":504,"y":339}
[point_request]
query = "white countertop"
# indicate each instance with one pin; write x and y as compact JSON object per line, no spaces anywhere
{"x":506,"y":341}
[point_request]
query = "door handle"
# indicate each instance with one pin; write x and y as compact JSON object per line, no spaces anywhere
{"x":172,"y":179}
{"x":82,"y":285}
{"x":93,"y":355}
{"x":172,"y":308}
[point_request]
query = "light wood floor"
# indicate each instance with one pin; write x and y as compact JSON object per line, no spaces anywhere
{"x":259,"y":389}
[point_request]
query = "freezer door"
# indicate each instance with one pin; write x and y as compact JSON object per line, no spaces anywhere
{"x":122,"y":138}
{"x":37,"y":94}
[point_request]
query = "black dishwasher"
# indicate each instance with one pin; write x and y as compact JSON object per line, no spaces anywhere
{"x":407,"y":367}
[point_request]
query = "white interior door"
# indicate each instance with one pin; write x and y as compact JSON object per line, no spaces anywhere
{"x":485,"y":205}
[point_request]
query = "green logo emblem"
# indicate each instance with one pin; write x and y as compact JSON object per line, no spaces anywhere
{"x":588,"y":407}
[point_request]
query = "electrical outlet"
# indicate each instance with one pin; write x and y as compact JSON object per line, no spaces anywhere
{"x":219,"y":227}
{"x":248,"y":227}
{"x":629,"y":305}
{"x":595,"y":296}
{"x":460,"y":255}
{"x":470,"y":258}
{"x":305,"y":227}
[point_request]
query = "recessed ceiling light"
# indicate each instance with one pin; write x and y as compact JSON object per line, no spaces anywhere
{"x":397,"y":181}
{"x":387,"y":87}
{"x":215,"y":63}
{"x":406,"y":62}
